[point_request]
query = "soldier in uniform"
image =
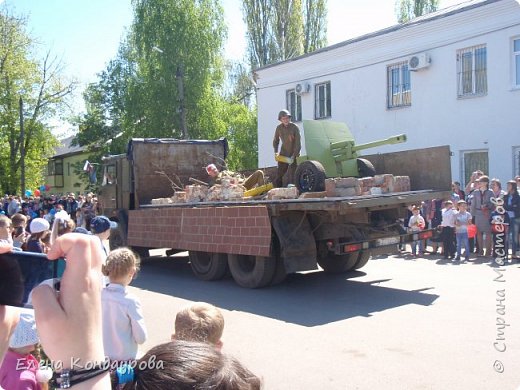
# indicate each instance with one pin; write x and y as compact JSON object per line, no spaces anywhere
{"x":289,"y":134}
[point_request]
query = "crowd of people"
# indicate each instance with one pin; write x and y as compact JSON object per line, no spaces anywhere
{"x":91,"y":328}
{"x":483,"y":219}
{"x":80,"y":208}
{"x":93,"y":325}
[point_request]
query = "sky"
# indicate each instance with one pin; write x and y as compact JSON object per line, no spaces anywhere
{"x":85,"y":34}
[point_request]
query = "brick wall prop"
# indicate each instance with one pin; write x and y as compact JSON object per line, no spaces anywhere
{"x":239,"y":229}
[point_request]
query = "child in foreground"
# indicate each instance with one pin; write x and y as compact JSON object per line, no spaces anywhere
{"x":201,"y":322}
{"x":123,"y":322}
{"x":20,"y":369}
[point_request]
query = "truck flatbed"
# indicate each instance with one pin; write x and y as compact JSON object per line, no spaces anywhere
{"x":325,"y":204}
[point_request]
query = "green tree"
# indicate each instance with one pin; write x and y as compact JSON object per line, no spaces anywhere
{"x":43,"y":91}
{"x":281,"y":29}
{"x":137,"y":94}
{"x":176,"y":40}
{"x":406,"y":10}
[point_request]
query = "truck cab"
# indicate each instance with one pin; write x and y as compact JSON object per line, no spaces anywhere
{"x":116,"y":187}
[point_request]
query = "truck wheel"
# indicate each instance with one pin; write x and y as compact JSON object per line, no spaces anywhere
{"x":336,"y":264}
{"x":362,"y":260}
{"x":365,"y":168}
{"x":279,"y":273}
{"x":252,"y":271}
{"x":208,"y":266}
{"x":141,"y":251}
{"x":117,"y":238}
{"x":310,"y":176}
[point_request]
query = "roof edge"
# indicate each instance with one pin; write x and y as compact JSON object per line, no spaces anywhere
{"x":440,"y":14}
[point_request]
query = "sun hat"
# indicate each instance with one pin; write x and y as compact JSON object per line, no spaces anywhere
{"x":101,"y":224}
{"x":63,"y":215}
{"x":25,"y":332}
{"x":39,"y":225}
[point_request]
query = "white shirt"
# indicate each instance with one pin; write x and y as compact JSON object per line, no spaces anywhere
{"x":448,"y":217}
{"x":123,"y":323}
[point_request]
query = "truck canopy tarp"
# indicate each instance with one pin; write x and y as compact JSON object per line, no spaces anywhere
{"x":159,"y":165}
{"x":175,"y":141}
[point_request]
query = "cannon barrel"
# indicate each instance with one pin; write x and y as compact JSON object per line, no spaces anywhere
{"x":396,"y":139}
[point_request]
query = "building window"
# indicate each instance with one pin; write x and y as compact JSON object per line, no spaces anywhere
{"x":472,"y":71}
{"x":55,"y":167}
{"x":474,"y":160}
{"x":399,"y":86}
{"x":516,"y":62}
{"x":516,"y":161}
{"x":294,"y":105}
{"x":322,"y":100}
{"x":58,"y":167}
{"x":50,"y":168}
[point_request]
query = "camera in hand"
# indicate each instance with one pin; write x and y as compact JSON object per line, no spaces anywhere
{"x":20,"y":272}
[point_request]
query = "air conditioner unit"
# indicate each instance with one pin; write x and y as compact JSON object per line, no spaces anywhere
{"x":419,"y":61}
{"x":301,"y":88}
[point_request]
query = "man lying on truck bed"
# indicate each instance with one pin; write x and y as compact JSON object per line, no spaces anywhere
{"x":256,"y":179}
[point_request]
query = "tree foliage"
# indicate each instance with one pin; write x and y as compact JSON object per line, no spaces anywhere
{"x":281,"y":29}
{"x":137,"y":94}
{"x":406,"y":10}
{"x":43,"y":91}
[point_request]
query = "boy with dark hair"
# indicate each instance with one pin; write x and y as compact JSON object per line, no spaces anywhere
{"x":448,"y":230}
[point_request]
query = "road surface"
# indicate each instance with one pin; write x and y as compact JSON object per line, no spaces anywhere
{"x":399,"y":323}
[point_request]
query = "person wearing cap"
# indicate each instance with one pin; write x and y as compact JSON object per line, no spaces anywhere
{"x":100,"y":227}
{"x":256,"y":179}
{"x":289,"y":134}
{"x":481,"y":208}
{"x":20,"y":369}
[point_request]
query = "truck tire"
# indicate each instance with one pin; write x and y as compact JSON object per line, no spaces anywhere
{"x":117,"y":238}
{"x":252,"y":271}
{"x":362,"y":260}
{"x":141,"y":251}
{"x":310,"y":176}
{"x":365,"y":168}
{"x":208,"y":266}
{"x":279,"y":273}
{"x":336,"y":264}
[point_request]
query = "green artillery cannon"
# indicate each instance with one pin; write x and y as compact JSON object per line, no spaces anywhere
{"x":332,"y":152}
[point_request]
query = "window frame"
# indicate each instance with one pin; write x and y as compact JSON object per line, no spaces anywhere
{"x":294,"y":107}
{"x":322,"y":105}
{"x":516,"y":161}
{"x":400,"y":95}
{"x":467,"y":163}
{"x":468,"y":80}
{"x":515,"y":62}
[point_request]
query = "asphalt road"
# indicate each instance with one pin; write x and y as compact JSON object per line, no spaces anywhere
{"x":400,"y":323}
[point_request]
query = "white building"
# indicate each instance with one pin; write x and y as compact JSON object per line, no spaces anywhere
{"x":448,"y":78}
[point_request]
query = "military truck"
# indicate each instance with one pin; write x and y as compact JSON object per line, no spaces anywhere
{"x":260,"y":241}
